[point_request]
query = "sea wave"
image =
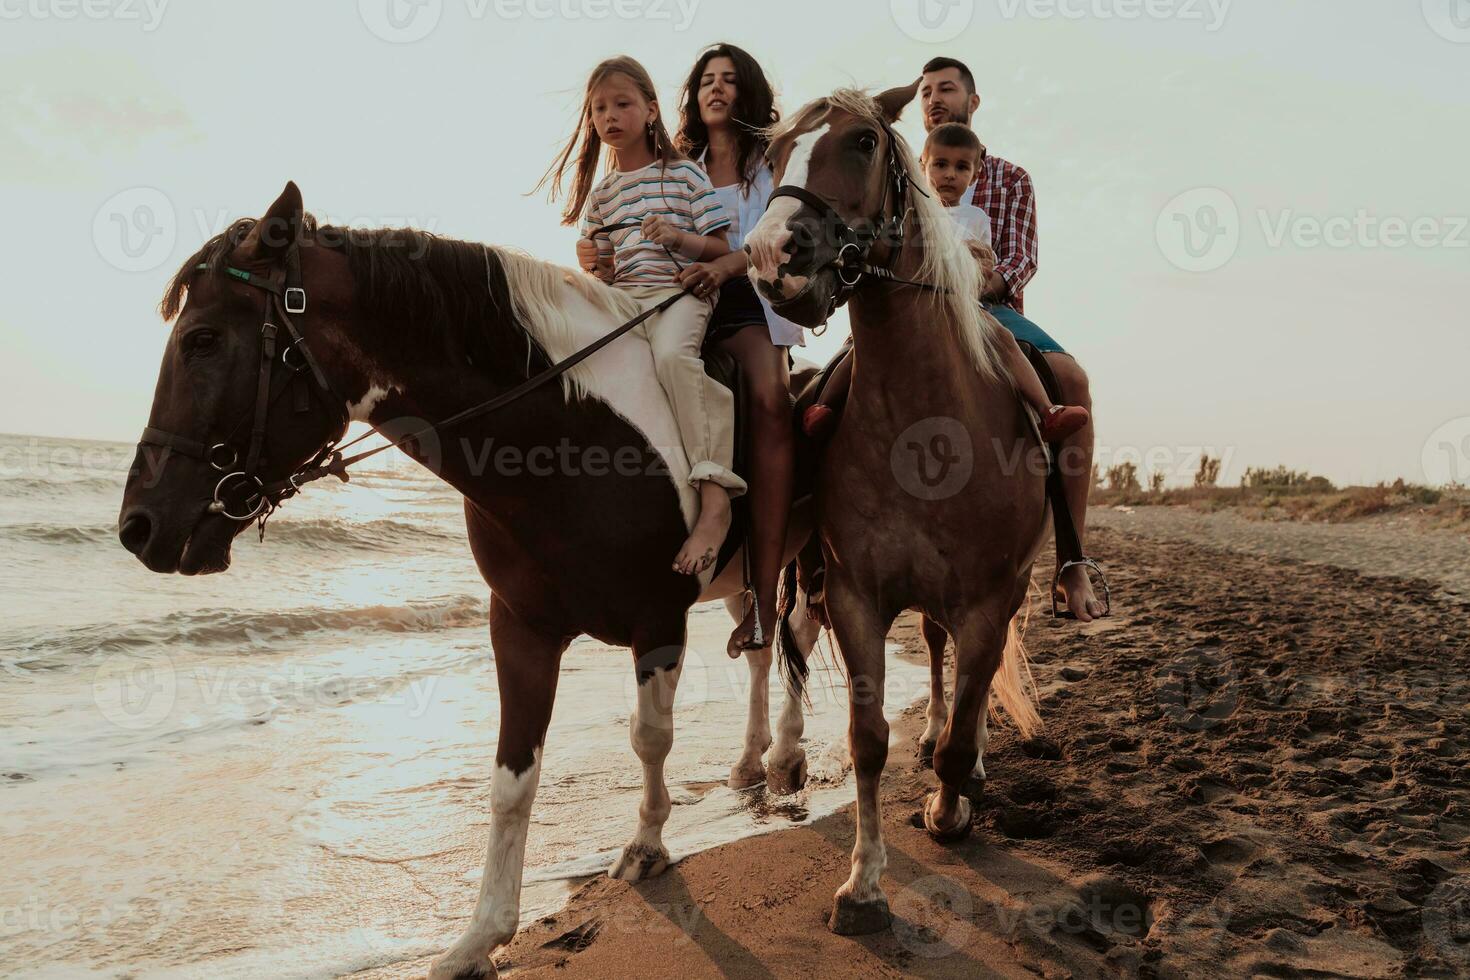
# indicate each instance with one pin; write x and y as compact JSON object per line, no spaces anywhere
{"x":50,"y":486}
{"x":385,"y":534}
{"x":198,"y":629}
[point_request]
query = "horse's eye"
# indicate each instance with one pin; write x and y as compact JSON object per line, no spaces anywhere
{"x":200,"y":342}
{"x":867,"y":142}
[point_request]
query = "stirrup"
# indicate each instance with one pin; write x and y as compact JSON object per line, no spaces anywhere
{"x":1107,"y":596}
{"x":757,"y":639}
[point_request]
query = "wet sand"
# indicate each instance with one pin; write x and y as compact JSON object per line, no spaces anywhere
{"x":1255,"y":768}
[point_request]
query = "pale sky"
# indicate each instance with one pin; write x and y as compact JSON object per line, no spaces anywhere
{"x":1315,"y":317}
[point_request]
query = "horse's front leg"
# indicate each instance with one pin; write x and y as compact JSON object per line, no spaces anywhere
{"x":651,"y":730}
{"x":860,"y":906}
{"x":748,"y":771}
{"x":526,"y":665}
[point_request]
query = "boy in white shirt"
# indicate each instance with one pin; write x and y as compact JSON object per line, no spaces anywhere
{"x":951,"y":154}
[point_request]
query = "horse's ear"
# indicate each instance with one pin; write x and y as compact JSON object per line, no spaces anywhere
{"x":278,"y":229}
{"x":893,"y":100}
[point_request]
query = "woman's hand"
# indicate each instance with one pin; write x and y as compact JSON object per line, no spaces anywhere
{"x":702,"y":278}
{"x":661,"y":231}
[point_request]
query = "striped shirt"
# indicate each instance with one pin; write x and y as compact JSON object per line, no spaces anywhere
{"x":1003,"y":190}
{"x":679,"y":192}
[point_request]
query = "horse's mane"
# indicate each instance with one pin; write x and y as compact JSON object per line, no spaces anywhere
{"x":945,"y":260}
{"x":443,"y":291}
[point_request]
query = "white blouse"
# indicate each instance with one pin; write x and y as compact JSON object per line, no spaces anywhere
{"x":744,"y":206}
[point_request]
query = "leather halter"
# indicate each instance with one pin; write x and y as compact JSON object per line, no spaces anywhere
{"x":852,"y":260}
{"x":284,"y":297}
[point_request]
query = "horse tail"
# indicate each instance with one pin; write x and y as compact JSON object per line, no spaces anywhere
{"x":1013,"y":684}
{"x":792,"y":661}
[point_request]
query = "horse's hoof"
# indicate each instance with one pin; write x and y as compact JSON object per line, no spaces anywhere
{"x":786,"y":777}
{"x":926,"y":751}
{"x":958,"y":830}
{"x":639,"y":861}
{"x":449,"y":967}
{"x":853,"y":918}
{"x":742,"y":777}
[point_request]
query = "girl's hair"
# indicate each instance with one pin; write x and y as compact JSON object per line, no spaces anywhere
{"x":753,"y":112}
{"x":585,"y":173}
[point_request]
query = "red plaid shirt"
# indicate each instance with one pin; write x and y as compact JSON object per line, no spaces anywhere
{"x":1005,"y":193}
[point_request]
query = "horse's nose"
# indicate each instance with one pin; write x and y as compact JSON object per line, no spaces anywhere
{"x":134,"y":531}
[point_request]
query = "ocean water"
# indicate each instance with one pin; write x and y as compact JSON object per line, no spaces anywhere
{"x":283,"y":770}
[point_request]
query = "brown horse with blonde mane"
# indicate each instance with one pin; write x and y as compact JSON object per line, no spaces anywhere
{"x":932,"y":490}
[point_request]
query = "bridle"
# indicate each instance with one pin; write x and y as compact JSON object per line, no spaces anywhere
{"x":852,"y":261}
{"x":285,"y":297}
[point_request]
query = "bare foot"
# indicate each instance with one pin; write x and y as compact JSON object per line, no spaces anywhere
{"x":1081,"y":600}
{"x":703,"y":544}
{"x":743,"y":638}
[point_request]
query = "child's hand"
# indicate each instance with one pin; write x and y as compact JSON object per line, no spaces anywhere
{"x":985,"y":255}
{"x":587,"y":255}
{"x":661,"y":231}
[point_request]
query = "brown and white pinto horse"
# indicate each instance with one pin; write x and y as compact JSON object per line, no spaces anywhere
{"x":929,"y":496}
{"x":574,"y":538}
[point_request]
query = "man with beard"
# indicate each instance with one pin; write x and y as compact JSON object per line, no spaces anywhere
{"x":1004,"y":191}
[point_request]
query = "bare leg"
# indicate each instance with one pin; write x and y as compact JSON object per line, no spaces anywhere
{"x":938,"y":712}
{"x":1028,"y":382}
{"x":1075,"y":460}
{"x":860,"y":907}
{"x":651,"y":730}
{"x":703,"y":544}
{"x":772,"y":473}
{"x":979,"y":644}
{"x":787,"y":771}
{"x":749,"y":771}
{"x":526,"y":665}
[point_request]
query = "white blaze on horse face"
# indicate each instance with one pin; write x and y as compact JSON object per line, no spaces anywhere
{"x":769,"y":240}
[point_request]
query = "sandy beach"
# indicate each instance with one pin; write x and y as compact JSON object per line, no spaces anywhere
{"x":1255,"y":768}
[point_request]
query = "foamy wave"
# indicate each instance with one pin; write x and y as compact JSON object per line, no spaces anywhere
{"x":202,"y":628}
{"x":381,"y":535}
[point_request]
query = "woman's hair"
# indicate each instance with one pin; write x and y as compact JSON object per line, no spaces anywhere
{"x":752,"y":113}
{"x":585,"y":169}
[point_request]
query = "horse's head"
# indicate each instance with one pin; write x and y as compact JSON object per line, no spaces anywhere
{"x":842,"y":174}
{"x":240,"y":403}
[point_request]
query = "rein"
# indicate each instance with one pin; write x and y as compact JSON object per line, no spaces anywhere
{"x":286,"y":296}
